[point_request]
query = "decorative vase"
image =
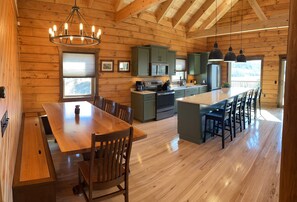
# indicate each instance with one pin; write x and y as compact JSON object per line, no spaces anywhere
{"x":225,"y":90}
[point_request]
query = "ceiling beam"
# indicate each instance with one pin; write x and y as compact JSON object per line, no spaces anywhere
{"x":254,"y":4}
{"x":182,"y":12}
{"x":162,"y":10}
{"x":223,"y":8}
{"x":199,"y":13}
{"x":134,"y":8}
{"x":274,"y":23}
{"x":118,"y":4}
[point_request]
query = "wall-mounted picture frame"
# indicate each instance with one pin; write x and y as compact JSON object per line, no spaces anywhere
{"x":106,"y":66}
{"x":123,"y":66}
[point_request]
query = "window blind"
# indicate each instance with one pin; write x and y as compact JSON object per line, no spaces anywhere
{"x":78,"y":65}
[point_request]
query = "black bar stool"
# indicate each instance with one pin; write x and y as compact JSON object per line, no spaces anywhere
{"x":221,"y":118}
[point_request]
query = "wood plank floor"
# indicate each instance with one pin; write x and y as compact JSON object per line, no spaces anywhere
{"x":164,"y":168}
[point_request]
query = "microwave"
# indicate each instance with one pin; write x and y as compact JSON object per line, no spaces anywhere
{"x":158,"y":69}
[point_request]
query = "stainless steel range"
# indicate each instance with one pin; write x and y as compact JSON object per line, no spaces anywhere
{"x":164,"y":99}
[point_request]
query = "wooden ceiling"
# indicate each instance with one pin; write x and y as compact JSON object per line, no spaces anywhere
{"x":199,"y":16}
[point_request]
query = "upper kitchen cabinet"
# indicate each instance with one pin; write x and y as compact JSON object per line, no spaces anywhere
{"x":203,"y":62}
{"x":171,"y":59}
{"x":158,"y":54}
{"x":140,"y":61}
{"x":194,"y":63}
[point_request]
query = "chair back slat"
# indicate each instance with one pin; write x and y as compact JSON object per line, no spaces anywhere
{"x":125,"y":113}
{"x":110,"y":106}
{"x":114,"y":147}
{"x":99,"y":102}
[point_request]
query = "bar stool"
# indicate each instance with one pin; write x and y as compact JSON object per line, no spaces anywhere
{"x":221,"y":118}
{"x":254,"y":102}
{"x":249,"y":106}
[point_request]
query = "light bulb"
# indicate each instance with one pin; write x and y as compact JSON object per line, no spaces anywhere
{"x":50,"y":30}
{"x":81,"y":26}
{"x":82,"y":38}
{"x":66,"y":26}
{"x":71,"y":38}
{"x":55,"y":28}
{"x":93,"y":28}
{"x":99,"y":33}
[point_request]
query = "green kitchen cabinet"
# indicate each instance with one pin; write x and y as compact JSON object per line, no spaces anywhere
{"x":194,"y":63}
{"x":140,"y":61}
{"x":171,"y":58}
{"x":203,"y":89}
{"x":191,"y":91}
{"x":158,"y":54}
{"x":203,"y":62}
{"x":178,"y":94}
{"x":144,"y":106}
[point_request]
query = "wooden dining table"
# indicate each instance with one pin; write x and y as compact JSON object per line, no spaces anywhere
{"x":73,"y":131}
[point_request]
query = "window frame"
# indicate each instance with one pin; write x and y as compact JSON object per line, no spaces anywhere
{"x":257,"y":57}
{"x":184,"y":71}
{"x":61,"y":77}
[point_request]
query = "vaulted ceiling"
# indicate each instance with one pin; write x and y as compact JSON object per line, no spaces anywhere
{"x":199,"y":16}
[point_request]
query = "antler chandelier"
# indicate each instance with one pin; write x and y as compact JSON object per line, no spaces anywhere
{"x":79,"y":37}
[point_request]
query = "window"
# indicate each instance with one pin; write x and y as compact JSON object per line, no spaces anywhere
{"x":78,"y":75}
{"x":181,"y":72}
{"x":246,"y":74}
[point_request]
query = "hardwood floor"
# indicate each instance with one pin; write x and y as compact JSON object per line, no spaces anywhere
{"x":164,"y":168}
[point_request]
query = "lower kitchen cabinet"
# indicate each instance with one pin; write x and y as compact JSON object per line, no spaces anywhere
{"x":144,"y":106}
{"x":191,"y":91}
{"x":178,"y":94}
{"x":203,"y":89}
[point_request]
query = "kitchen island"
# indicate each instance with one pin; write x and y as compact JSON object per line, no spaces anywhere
{"x":191,"y":111}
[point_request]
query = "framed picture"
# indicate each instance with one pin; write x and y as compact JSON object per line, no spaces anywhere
{"x":106,"y":65}
{"x":124,"y":66}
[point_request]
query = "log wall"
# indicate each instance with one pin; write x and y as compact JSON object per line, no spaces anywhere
{"x":39,"y":58}
{"x":10,"y":79}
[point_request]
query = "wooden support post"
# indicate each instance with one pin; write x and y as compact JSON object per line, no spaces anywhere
{"x":288,"y":177}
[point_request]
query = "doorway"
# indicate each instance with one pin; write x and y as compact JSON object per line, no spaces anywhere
{"x":282,"y":81}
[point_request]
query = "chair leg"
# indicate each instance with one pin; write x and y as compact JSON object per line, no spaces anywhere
{"x":255,"y":109}
{"x":223,"y":135}
{"x":230,"y":124}
{"x":234,"y":125}
{"x":205,"y":129}
{"x":126,"y":190}
{"x":240,"y":120}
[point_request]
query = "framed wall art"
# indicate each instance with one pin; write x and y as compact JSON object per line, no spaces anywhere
{"x":106,"y":66}
{"x":124,"y":66}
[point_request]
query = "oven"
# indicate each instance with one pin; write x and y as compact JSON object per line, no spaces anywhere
{"x":164,"y":104}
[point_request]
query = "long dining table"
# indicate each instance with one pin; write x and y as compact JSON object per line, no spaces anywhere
{"x":73,"y":131}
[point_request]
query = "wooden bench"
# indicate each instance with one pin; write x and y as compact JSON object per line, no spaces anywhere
{"x":34,"y":175}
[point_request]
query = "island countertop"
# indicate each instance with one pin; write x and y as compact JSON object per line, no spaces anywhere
{"x":213,"y":97}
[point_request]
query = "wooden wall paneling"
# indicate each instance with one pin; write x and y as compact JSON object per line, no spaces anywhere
{"x":10,"y":79}
{"x":288,"y":173}
{"x":39,"y":59}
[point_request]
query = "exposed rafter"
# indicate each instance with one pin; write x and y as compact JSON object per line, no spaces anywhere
{"x":254,"y":4}
{"x":273,"y":23}
{"x":223,"y":8}
{"x":118,"y":4}
{"x":199,"y":13}
{"x":134,"y":8}
{"x":182,"y":12}
{"x":162,"y":10}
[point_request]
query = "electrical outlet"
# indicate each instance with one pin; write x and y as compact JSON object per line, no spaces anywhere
{"x":4,"y":123}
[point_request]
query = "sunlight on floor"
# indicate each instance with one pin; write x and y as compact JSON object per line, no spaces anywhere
{"x":267,"y":116}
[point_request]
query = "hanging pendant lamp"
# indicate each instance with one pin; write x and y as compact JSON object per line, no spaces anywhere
{"x":230,"y":55}
{"x":241,"y":57}
{"x":216,"y":54}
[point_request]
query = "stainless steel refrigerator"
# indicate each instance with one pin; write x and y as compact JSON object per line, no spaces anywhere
{"x":213,"y":77}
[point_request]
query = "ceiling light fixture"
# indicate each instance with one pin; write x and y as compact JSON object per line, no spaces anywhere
{"x":63,"y":35}
{"x":241,"y":57}
{"x":216,"y":54}
{"x":230,"y":55}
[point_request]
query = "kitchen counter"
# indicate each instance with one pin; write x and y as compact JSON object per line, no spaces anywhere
{"x":186,"y":87}
{"x":213,"y":97}
{"x":144,"y":92}
{"x":191,"y":111}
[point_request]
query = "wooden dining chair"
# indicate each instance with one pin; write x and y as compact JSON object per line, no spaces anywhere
{"x":125,"y":113}
{"x":110,"y":106}
{"x":99,"y":101}
{"x":108,"y":166}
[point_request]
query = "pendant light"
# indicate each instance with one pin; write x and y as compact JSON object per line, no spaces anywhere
{"x":230,"y":56}
{"x":241,"y":57}
{"x":216,"y":54}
